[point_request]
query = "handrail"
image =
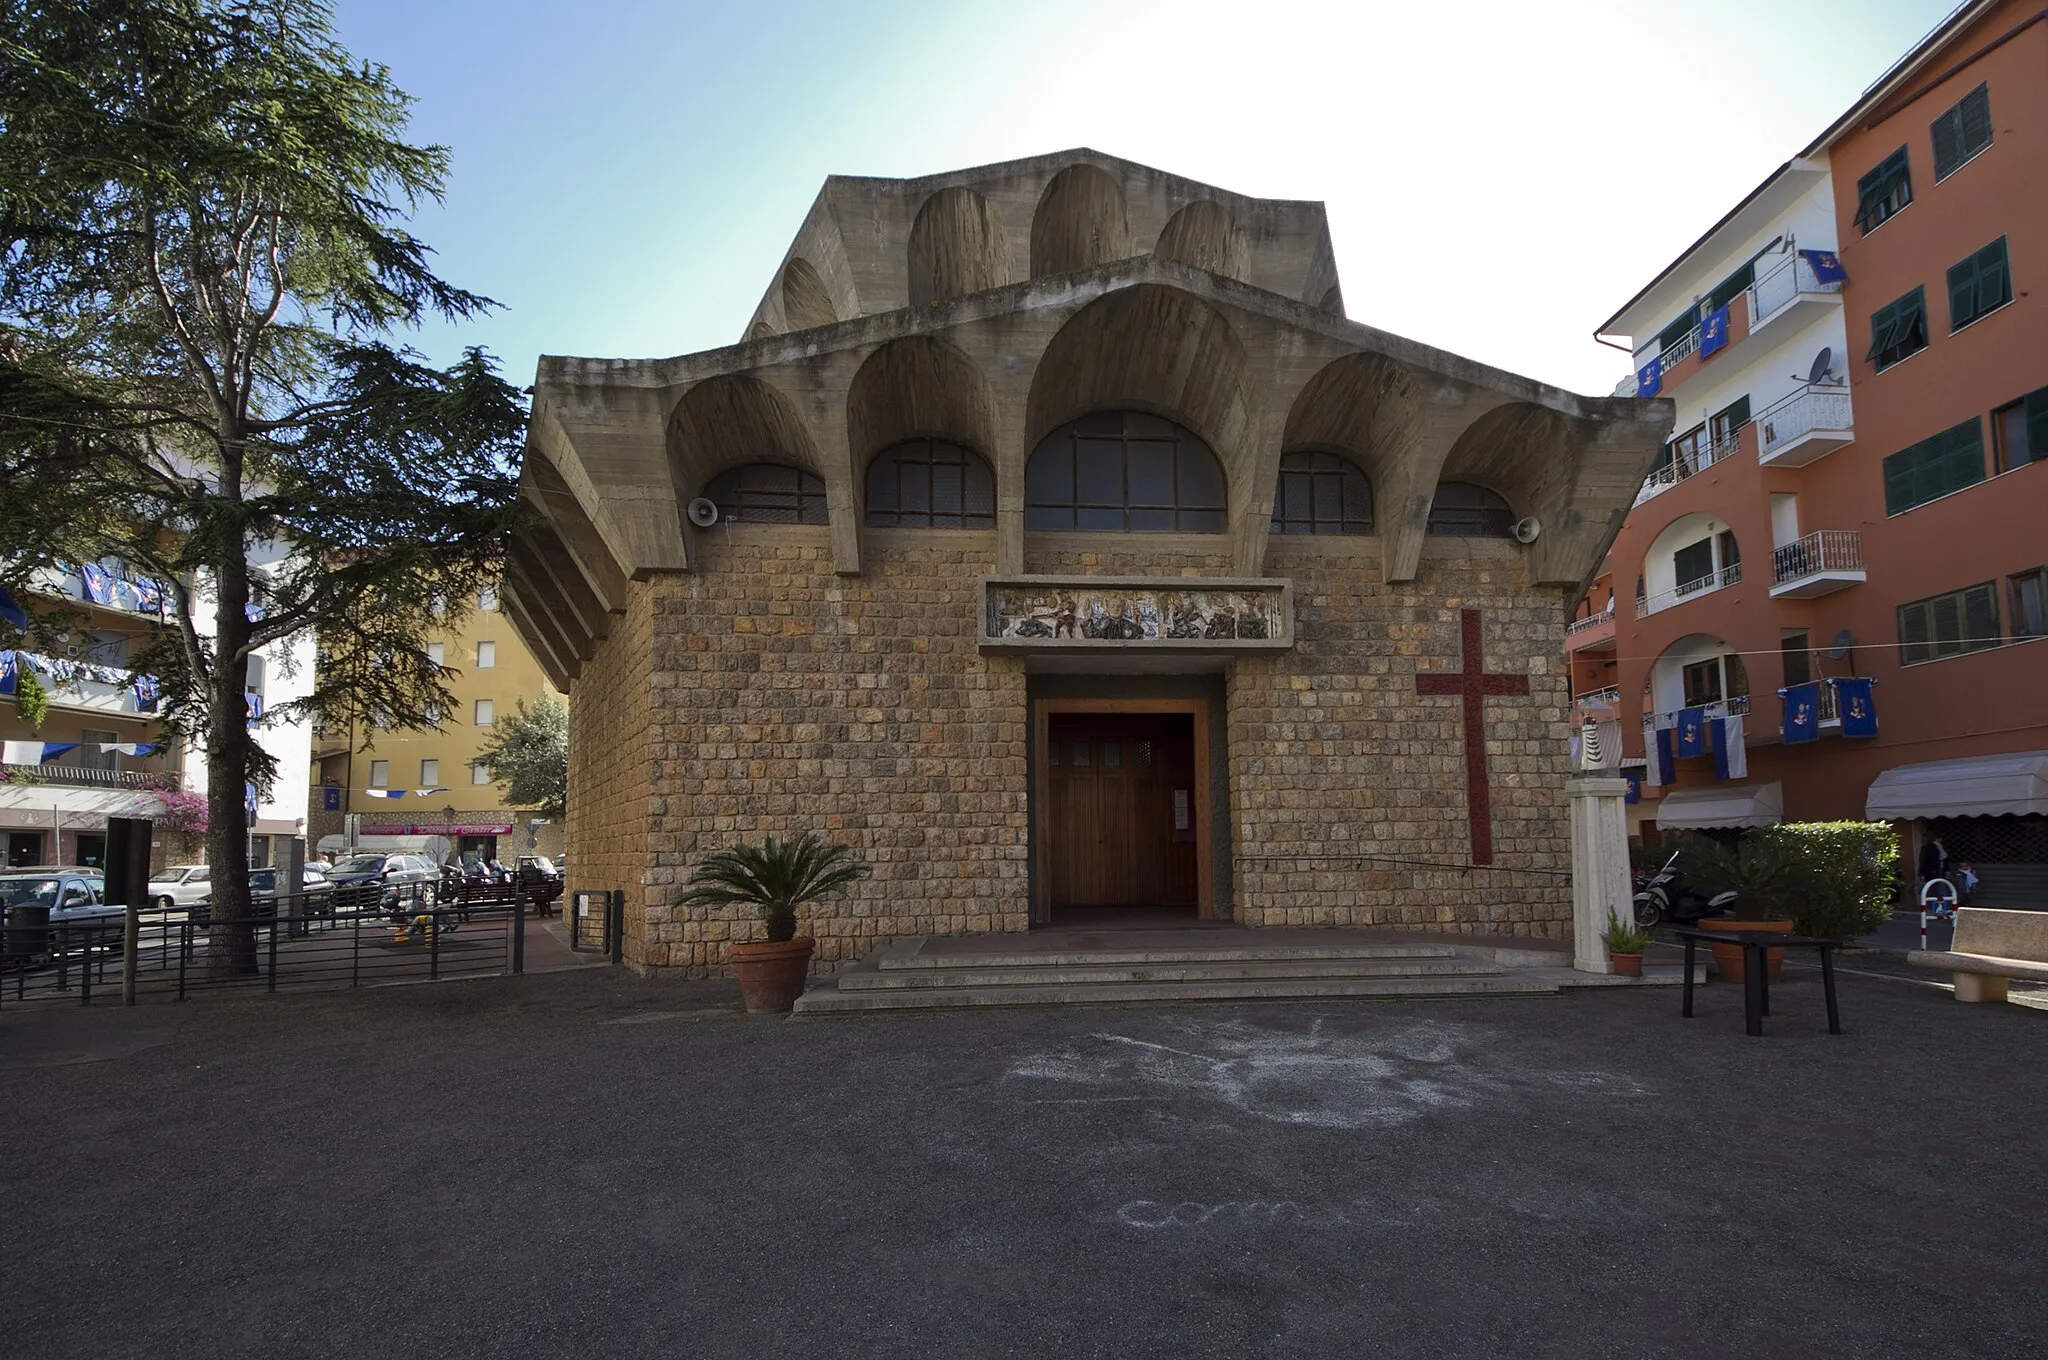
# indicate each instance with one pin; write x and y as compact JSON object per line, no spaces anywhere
{"x":89,"y":776}
{"x":1665,"y":599}
{"x":1822,"y":550}
{"x":1681,"y":467}
{"x":1716,"y":708}
{"x":1782,"y":285}
{"x":1808,"y":407}
{"x":1591,"y":621}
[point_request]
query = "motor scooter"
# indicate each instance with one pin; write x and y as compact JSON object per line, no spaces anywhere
{"x":1665,"y":898}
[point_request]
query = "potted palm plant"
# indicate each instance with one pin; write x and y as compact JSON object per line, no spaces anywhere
{"x":1626,"y":942}
{"x":775,"y":877}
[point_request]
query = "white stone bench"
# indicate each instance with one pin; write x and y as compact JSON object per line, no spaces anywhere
{"x":1989,"y":948}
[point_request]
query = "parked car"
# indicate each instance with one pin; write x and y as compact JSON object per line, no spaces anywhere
{"x":181,"y":885}
{"x":263,"y":893}
{"x":34,"y":900}
{"x":368,"y":881}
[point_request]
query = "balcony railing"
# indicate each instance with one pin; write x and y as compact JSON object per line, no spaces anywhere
{"x":1714,"y":708}
{"x":1811,"y":407}
{"x":1663,"y":600}
{"x":1684,"y":465}
{"x":90,"y":685}
{"x":1609,"y":695}
{"x":87,"y":777}
{"x":1782,"y":286}
{"x":1604,"y":617}
{"x":122,"y":588}
{"x":1821,"y":550}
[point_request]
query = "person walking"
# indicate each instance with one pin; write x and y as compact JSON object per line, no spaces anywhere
{"x":1933,"y":860}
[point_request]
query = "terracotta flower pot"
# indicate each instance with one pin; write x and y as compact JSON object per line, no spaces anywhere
{"x":1729,"y":956}
{"x":772,"y":974}
{"x":1627,"y":965}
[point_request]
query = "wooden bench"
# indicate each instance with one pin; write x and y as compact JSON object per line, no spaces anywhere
{"x":1989,"y":948}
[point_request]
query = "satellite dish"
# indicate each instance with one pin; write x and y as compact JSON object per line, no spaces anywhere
{"x":1526,"y":529}
{"x":1822,"y":363}
{"x":703,"y":513}
{"x":1841,"y":647}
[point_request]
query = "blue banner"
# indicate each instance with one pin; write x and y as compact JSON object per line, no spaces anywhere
{"x":1720,"y":726}
{"x":330,"y":800}
{"x":1826,"y":266}
{"x":1650,"y":378}
{"x":1714,"y":331}
{"x":10,"y":612}
{"x":99,"y":587}
{"x":249,"y":800}
{"x":1660,"y":753}
{"x":6,"y":672}
{"x":149,"y":597}
{"x":145,"y":694}
{"x":1692,"y":733}
{"x":1635,"y":788}
{"x":1856,"y":707}
{"x":1802,"y":712}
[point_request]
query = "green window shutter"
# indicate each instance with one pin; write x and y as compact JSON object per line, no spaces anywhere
{"x":1948,"y":142}
{"x":1677,"y":331}
{"x":1898,"y":483}
{"x":1913,"y":633}
{"x":2037,"y":425}
{"x":1963,"y":464}
{"x":1962,"y":294}
{"x":1994,"y":277}
{"x":1732,"y":287}
{"x":1947,"y":624}
{"x":1880,"y":331}
{"x":1738,"y":412}
{"x":1980,"y":618}
{"x":1975,"y":120}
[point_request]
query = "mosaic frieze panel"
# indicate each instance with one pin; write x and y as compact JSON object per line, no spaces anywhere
{"x":1084,"y":612}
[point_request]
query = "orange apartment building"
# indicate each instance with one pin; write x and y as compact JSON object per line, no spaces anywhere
{"x":1858,"y":485}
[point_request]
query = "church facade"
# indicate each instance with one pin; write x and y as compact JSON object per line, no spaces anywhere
{"x":1054,"y":539}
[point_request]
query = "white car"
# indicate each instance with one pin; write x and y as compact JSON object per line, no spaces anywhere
{"x":180,"y":886}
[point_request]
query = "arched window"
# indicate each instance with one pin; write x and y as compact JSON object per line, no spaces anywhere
{"x":930,"y":484}
{"x":1470,"y":512}
{"x":1124,"y":471}
{"x":1321,"y":493}
{"x":768,"y":493}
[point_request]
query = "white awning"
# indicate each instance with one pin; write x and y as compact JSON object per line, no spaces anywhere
{"x":2011,"y":785}
{"x":1724,"y":805}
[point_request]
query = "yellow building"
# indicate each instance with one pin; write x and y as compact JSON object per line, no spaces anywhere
{"x":392,"y":789}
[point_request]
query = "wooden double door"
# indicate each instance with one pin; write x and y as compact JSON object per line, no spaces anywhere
{"x":1122,"y":803}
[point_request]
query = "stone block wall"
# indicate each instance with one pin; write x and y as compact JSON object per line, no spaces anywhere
{"x":610,"y":790}
{"x":1339,"y":768}
{"x":788,"y":698}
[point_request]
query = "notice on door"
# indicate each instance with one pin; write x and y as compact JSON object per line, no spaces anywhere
{"x":1181,"y":822}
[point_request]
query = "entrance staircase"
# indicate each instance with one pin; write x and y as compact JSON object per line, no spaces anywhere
{"x":1196,"y":964}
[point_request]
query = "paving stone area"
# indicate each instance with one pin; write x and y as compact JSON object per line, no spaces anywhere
{"x":581,"y":1164}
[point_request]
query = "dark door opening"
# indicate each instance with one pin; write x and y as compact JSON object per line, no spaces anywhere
{"x":1121,"y":810}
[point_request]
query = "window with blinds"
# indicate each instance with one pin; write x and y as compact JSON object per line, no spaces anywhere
{"x":1884,"y":191}
{"x":1962,"y":133}
{"x":1934,"y":467}
{"x":1949,"y":625}
{"x":1899,"y":330}
{"x":2021,"y":429}
{"x":1979,"y":285}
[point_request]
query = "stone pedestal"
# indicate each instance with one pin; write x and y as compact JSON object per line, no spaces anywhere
{"x":1601,"y":884}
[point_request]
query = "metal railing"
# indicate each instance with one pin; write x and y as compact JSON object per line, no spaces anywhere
{"x":1822,"y":550}
{"x":1592,"y":621}
{"x":304,"y":942}
{"x":1810,"y":407}
{"x":1684,"y":465}
{"x":1781,"y":287}
{"x":89,"y":777}
{"x":1705,"y":585}
{"x":1610,"y":694}
{"x":1717,"y":708}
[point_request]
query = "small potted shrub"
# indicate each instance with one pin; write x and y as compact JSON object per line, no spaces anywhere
{"x":1626,"y":942}
{"x":775,"y":877}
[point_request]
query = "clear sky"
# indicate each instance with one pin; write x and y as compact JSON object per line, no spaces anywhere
{"x":1501,"y":175}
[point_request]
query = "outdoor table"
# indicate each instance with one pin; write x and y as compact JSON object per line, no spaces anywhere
{"x":1756,"y":989}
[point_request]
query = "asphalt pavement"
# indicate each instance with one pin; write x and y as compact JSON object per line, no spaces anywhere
{"x":579,"y":1164}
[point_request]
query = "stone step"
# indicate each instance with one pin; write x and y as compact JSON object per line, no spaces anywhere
{"x":1032,"y":973}
{"x":900,"y":957}
{"x":828,"y":998}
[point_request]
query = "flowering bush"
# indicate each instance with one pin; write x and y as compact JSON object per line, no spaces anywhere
{"x":184,"y":810}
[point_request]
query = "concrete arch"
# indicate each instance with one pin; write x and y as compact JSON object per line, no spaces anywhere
{"x":918,"y":386}
{"x":1082,"y":221}
{"x":760,"y":330}
{"x":1366,"y":408}
{"x":1204,"y":234}
{"x":732,"y":419}
{"x":1530,"y":455}
{"x":806,"y":301}
{"x":957,"y":247}
{"x":1332,"y":303}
